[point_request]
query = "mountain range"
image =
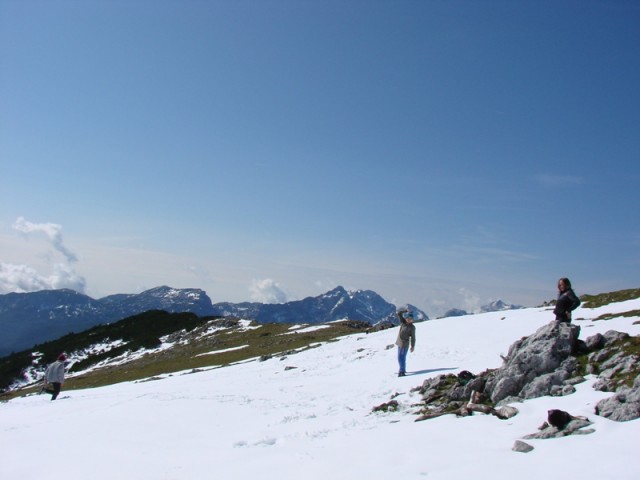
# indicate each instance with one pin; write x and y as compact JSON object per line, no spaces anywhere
{"x":30,"y":318}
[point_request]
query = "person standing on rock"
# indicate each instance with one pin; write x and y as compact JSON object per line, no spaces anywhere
{"x":55,"y":375}
{"x":406,"y":339}
{"x":567,"y":301}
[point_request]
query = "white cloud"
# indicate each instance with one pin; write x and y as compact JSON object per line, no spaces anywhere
{"x":22,"y":279}
{"x":471,"y":302}
{"x":51,"y":231}
{"x":64,"y":276}
{"x":267,"y":291}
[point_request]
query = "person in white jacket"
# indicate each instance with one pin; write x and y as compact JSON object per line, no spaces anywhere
{"x":55,"y":375}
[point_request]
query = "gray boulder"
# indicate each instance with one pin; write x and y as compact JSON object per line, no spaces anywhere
{"x":613,"y":336}
{"x":552,"y":383}
{"x":522,"y":447}
{"x":623,"y":406}
{"x":618,"y":364}
{"x":542,"y":360}
{"x":595,"y":342}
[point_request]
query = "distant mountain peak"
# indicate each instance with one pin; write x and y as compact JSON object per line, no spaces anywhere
{"x":498,"y":306}
{"x":339,"y":290}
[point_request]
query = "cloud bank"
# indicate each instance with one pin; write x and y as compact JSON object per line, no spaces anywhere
{"x":23,"y":278}
{"x":267,"y":291}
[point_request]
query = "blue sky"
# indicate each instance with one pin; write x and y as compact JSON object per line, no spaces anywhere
{"x":443,"y":154}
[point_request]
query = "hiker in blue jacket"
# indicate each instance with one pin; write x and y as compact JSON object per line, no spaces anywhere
{"x":406,"y":339}
{"x":567,"y":301}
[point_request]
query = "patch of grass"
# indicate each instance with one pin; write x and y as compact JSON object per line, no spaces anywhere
{"x":609,"y":316}
{"x":602,"y":299}
{"x":583,"y":363}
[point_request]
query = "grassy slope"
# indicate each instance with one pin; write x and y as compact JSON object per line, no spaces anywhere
{"x":187,"y":353}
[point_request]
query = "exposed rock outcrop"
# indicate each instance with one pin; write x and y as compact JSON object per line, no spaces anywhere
{"x":536,"y":363}
{"x":547,"y":363}
{"x":623,"y":406}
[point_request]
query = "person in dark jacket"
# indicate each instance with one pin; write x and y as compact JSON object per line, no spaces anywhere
{"x":406,"y":339}
{"x":567,"y":301}
{"x":55,"y":376}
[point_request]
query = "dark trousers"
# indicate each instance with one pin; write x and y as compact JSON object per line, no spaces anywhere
{"x":56,"y":390}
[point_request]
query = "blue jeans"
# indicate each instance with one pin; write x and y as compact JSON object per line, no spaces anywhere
{"x":402,"y":359}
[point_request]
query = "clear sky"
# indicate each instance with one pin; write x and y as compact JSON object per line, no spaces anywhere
{"x":443,"y":154}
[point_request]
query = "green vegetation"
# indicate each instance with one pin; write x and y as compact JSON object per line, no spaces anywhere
{"x":195,"y":343}
{"x":602,"y":299}
{"x":609,"y":316}
{"x":139,"y":331}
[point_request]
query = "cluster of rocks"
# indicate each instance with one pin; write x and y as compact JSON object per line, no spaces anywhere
{"x":559,"y":424}
{"x":618,"y":370}
{"x":548,"y":363}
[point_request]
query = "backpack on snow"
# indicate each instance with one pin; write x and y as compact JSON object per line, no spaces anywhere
{"x":558,"y":418}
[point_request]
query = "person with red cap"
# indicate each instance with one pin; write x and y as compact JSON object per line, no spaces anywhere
{"x":55,"y":376}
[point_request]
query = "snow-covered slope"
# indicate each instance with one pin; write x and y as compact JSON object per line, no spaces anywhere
{"x":309,"y":416}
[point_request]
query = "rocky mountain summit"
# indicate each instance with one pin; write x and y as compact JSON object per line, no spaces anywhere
{"x":499,"y":306}
{"x":336,"y":304}
{"x":495,"y":306}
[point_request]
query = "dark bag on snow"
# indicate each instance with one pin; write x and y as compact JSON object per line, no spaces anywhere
{"x":558,"y":418}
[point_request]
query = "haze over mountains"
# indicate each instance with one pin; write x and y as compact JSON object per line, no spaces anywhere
{"x":30,"y":318}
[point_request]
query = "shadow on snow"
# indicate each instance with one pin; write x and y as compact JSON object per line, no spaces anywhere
{"x":431,"y":370}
